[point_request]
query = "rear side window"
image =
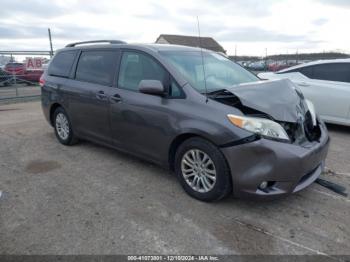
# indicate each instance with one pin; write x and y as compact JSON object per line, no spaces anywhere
{"x":306,"y":71}
{"x":135,"y":67}
{"x":332,"y":72}
{"x":62,"y":63}
{"x":97,"y":67}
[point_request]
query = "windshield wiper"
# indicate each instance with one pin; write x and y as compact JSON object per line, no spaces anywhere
{"x":216,"y":91}
{"x":220,"y":93}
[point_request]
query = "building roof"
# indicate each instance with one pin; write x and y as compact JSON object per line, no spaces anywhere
{"x":204,"y":42}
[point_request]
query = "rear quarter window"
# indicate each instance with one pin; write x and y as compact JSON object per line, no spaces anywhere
{"x":62,"y":63}
{"x":306,"y":71}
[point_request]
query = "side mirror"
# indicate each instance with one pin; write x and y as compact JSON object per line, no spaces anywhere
{"x":151,"y":87}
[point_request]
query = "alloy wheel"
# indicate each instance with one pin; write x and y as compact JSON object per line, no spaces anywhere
{"x":198,"y":170}
{"x":62,"y":126}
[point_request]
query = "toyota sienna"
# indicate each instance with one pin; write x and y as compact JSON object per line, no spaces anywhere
{"x":219,"y":127}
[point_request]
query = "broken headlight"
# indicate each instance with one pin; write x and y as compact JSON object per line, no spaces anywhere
{"x":261,"y":126}
{"x":312,"y":110}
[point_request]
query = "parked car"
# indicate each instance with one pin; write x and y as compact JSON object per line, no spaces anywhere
{"x":5,"y":78}
{"x":277,"y":66}
{"x":22,"y":74}
{"x":220,"y":129}
{"x":14,"y":68}
{"x":257,"y":66}
{"x":326,"y":83}
{"x":243,"y":63}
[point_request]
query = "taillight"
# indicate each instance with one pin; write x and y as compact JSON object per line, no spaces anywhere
{"x":42,"y":80}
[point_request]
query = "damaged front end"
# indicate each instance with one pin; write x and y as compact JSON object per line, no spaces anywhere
{"x":293,"y":144}
{"x":303,"y":131}
{"x":278,"y":101}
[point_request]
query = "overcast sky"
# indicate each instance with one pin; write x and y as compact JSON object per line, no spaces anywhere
{"x":252,"y":25}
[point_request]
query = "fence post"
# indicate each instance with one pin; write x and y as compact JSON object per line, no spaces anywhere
{"x":14,"y":78}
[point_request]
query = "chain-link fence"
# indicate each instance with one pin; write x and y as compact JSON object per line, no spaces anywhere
{"x":20,"y":73}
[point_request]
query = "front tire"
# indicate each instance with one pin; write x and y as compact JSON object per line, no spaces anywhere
{"x":202,"y":170}
{"x":63,"y":128}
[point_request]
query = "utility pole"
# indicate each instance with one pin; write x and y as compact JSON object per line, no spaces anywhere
{"x":297,"y":58}
{"x":235,"y":53}
{"x":51,"y":49}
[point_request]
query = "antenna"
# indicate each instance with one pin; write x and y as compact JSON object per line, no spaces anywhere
{"x":200,"y":45}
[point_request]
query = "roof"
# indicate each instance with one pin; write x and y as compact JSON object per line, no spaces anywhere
{"x":319,"y":62}
{"x":170,"y":47}
{"x":154,"y":47}
{"x":194,"y":41}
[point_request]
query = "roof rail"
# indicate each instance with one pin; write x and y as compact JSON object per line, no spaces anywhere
{"x":96,"y":41}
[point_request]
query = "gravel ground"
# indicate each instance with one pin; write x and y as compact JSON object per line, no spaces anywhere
{"x":88,"y":199}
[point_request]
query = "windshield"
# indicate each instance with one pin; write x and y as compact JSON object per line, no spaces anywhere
{"x":219,"y":71}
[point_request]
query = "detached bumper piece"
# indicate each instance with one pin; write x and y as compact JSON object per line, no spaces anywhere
{"x":332,"y":186}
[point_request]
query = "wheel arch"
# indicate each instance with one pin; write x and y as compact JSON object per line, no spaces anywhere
{"x":177,"y":141}
{"x":53,"y":108}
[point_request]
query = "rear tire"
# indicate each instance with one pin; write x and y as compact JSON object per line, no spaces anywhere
{"x":63,"y":128}
{"x":202,"y":170}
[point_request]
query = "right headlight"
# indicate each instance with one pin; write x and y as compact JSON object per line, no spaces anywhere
{"x":261,"y":126}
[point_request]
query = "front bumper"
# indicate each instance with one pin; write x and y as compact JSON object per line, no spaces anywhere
{"x":287,"y":167}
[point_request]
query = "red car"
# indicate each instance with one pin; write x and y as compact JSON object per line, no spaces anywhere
{"x":19,"y":70}
{"x":277,"y":66}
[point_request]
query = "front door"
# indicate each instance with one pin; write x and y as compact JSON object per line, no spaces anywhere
{"x":140,"y":123}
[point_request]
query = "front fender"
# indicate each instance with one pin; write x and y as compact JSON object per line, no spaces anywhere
{"x":213,"y":132}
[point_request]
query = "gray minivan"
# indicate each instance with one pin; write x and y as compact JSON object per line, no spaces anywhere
{"x":219,"y":127}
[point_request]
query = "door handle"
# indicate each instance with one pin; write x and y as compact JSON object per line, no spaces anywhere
{"x":304,"y":84}
{"x":116,"y":98}
{"x":101,"y":95}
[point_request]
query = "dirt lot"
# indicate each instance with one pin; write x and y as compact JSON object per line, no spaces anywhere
{"x":88,"y":199}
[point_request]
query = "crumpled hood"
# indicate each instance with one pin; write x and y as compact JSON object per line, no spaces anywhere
{"x":277,"y":98}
